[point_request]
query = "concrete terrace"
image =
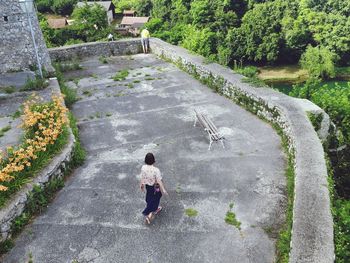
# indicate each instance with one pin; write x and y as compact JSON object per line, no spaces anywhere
{"x":97,"y":216}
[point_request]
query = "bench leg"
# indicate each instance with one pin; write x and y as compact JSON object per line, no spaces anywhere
{"x":222,"y":142}
{"x":195,"y":120}
{"x":210,"y":142}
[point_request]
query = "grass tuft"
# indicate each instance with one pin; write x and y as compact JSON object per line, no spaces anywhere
{"x":231,"y":217}
{"x":121,"y":75}
{"x":9,"y":89}
{"x":3,"y":130}
{"x":103,"y":60}
{"x":37,"y":83}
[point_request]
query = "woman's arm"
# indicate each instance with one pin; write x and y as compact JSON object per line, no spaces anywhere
{"x":162,"y":188}
{"x":142,"y":184}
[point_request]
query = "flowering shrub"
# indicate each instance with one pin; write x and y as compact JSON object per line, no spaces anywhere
{"x":43,"y":124}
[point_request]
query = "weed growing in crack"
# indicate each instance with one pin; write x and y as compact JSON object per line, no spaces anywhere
{"x":190,"y":212}
{"x":121,"y":75}
{"x":87,"y":93}
{"x":231,"y":218}
{"x":3,"y":130}
{"x":103,"y":60}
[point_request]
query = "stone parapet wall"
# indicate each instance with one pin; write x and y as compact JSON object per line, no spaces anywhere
{"x":312,"y":233}
{"x":112,"y":48}
{"x":17,"y":51}
{"x":56,"y":169}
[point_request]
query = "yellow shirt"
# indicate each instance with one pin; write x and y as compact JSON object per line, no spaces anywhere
{"x":145,"y":33}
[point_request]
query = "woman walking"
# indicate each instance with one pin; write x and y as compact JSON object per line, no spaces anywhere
{"x":151,"y":179}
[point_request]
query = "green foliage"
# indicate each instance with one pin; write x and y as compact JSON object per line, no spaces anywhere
{"x":70,"y":95}
{"x":335,"y":100}
{"x":256,"y":31}
{"x":63,"y":7}
{"x":16,"y":114}
{"x":342,"y":230}
{"x":79,"y":154}
{"x":190,"y":212}
{"x":285,"y":234}
{"x":37,"y":202}
{"x":103,"y":60}
{"x":121,"y":75}
{"x":73,"y":42}
{"x":249,"y":71}
{"x":9,"y":89}
{"x":316,"y":120}
{"x":319,"y":62}
{"x":251,"y":74}
{"x":89,"y":15}
{"x":5,"y":246}
{"x":202,"y":41}
{"x":44,"y":6}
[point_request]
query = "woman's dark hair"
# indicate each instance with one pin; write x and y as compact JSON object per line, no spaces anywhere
{"x":149,"y":159}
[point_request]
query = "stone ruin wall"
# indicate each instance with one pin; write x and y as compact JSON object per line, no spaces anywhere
{"x":16,"y":45}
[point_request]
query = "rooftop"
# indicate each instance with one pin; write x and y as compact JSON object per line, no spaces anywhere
{"x":57,"y":22}
{"x":131,"y":20}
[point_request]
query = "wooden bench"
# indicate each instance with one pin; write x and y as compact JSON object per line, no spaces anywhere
{"x":210,"y":128}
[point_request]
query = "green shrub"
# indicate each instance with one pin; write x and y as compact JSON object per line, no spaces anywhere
{"x":319,"y":62}
{"x":249,"y":71}
{"x":44,"y":6}
{"x":73,"y":42}
{"x":70,"y":95}
{"x":5,"y":246}
{"x":103,"y":60}
{"x":342,"y":230}
{"x":63,"y":7}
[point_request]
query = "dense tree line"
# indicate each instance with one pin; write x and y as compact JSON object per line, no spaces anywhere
{"x":260,"y":31}
{"x":60,"y":7}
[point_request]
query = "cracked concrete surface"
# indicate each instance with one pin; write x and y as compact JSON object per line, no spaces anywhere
{"x":97,"y":216}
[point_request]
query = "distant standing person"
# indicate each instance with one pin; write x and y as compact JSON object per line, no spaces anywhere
{"x":145,"y":40}
{"x":151,"y":179}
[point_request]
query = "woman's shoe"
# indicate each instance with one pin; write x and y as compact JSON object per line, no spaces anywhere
{"x":149,"y":218}
{"x":158,"y":210}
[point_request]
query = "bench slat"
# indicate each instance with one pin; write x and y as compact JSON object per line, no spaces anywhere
{"x":209,"y":126}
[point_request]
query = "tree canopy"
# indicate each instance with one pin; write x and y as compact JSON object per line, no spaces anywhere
{"x":260,"y":31}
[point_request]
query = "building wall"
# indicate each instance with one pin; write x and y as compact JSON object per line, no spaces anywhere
{"x":110,"y":16}
{"x":16,"y":45}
